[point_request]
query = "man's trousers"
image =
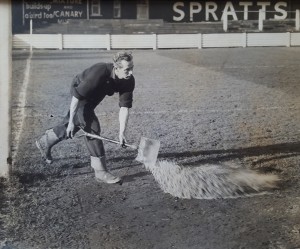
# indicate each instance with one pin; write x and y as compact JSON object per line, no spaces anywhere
{"x":86,"y":119}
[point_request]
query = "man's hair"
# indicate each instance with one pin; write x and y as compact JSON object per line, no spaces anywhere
{"x":121,"y":56}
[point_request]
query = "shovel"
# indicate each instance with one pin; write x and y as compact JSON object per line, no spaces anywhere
{"x":147,"y":149}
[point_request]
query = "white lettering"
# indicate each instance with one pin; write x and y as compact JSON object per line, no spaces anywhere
{"x":282,"y":11}
{"x":246,"y":5}
{"x":179,"y":11}
{"x":48,"y":16}
{"x":211,"y":11}
{"x":30,"y":15}
{"x":263,"y":8}
{"x":195,"y":8}
{"x":229,"y":10}
{"x":56,"y":13}
{"x":37,"y":6}
{"x":67,"y":13}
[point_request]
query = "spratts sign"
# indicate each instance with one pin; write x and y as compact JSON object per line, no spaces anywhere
{"x":194,"y":11}
{"x":55,"y":9}
{"x":168,"y":10}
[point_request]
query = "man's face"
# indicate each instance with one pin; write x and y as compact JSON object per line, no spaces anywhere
{"x":125,"y":71}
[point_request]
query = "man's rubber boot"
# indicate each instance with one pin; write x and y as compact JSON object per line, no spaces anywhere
{"x":101,"y":173}
{"x":45,"y":144}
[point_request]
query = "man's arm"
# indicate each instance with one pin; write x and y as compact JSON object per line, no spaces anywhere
{"x":123,"y":119}
{"x":73,"y":110}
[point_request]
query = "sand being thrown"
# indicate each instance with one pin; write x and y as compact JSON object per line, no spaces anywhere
{"x":210,"y":181}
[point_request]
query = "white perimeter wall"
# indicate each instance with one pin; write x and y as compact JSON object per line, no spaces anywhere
{"x":154,"y":41}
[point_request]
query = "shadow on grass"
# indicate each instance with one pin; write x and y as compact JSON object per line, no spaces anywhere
{"x":131,"y":178}
{"x":275,"y":151}
{"x":29,"y":178}
{"x":271,"y":152}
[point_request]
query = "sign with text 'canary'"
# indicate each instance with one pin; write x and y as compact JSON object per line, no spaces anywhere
{"x":55,"y":9}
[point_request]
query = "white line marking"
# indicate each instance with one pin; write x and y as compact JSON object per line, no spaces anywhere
{"x":18,"y":113}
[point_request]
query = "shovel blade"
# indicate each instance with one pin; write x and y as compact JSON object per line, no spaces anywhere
{"x":148,"y":151}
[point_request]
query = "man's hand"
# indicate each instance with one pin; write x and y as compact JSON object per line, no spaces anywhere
{"x":123,"y":118}
{"x":122,"y":139}
{"x":70,"y":130}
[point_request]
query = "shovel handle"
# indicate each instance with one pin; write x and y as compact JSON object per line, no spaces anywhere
{"x":108,"y":140}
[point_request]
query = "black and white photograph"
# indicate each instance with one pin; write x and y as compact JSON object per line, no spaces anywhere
{"x":146,"y":124}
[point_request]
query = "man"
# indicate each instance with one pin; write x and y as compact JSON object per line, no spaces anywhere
{"x":88,"y":89}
